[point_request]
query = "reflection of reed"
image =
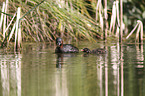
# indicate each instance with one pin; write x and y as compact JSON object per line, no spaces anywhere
{"x":121,"y":60}
{"x":106,"y":79}
{"x":61,"y":75}
{"x":140,"y":67}
{"x":61,"y":83}
{"x":5,"y":79}
{"x":11,"y":75}
{"x":100,"y":77}
{"x":140,"y":56}
{"x":116,"y":59}
{"x":101,"y":62}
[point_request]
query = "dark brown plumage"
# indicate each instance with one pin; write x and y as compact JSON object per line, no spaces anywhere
{"x":65,"y":48}
{"x":95,"y":51}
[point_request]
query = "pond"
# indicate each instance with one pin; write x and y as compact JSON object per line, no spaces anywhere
{"x":38,"y":71}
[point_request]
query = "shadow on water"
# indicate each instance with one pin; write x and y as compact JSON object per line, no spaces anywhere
{"x":38,"y":71}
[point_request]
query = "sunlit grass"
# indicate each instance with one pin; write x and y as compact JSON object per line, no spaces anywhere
{"x":52,"y":19}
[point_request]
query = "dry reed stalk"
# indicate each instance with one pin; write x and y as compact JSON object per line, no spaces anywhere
{"x":117,"y":31}
{"x":137,"y":34}
{"x":139,"y":29}
{"x":141,"y":33}
{"x":118,"y":20}
{"x":17,"y":31}
{"x":12,"y":31}
{"x":2,"y":15}
{"x":113,"y":18}
{"x":115,"y":21}
{"x":121,"y":20}
{"x":98,"y":8}
{"x":132,"y":31}
{"x":106,"y":17}
{"x":4,"y":24}
{"x":117,"y":9}
{"x":10,"y":23}
{"x":100,"y":14}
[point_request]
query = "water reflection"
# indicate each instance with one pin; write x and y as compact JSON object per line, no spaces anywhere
{"x":10,"y":75}
{"x":105,"y":72}
{"x":60,"y":78}
{"x":118,"y":67}
{"x":61,"y":81}
{"x":59,"y":61}
{"x":140,"y":68}
{"x":120,"y":72}
{"x":61,"y":57}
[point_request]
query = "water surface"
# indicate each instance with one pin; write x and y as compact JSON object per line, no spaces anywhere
{"x":38,"y":71}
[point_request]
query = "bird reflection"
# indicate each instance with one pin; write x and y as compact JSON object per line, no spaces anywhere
{"x":60,"y":58}
{"x":139,"y":71}
{"x":59,"y":61}
{"x":87,"y":54}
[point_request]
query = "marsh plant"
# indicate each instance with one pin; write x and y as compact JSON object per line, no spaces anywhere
{"x":46,"y":20}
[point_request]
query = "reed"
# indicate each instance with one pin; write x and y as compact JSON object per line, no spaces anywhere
{"x":116,"y":23}
{"x":7,"y":34}
{"x":46,"y":20}
{"x":121,"y":20}
{"x":2,"y":16}
{"x":106,"y":19}
{"x":99,"y":16}
{"x":139,"y":31}
{"x":42,"y":24}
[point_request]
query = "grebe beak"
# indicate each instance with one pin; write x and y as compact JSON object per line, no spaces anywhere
{"x":82,"y":49}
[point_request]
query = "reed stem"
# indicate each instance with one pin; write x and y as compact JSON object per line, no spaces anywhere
{"x":121,"y":20}
{"x":106,"y":18}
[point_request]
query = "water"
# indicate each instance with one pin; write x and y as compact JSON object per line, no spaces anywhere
{"x":38,"y":71}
